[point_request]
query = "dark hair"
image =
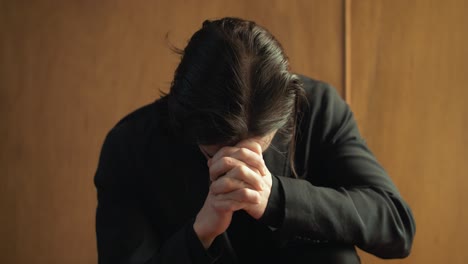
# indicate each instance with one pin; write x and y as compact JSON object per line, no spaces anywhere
{"x":234,"y":82}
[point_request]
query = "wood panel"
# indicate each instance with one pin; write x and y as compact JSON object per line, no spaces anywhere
{"x":70,"y":69}
{"x":409,"y":64}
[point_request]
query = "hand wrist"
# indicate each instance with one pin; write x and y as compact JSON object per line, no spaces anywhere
{"x":206,"y":240}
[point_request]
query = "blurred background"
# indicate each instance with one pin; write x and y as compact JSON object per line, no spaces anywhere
{"x":69,"y":70}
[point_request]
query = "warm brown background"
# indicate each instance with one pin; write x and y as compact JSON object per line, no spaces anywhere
{"x":70,"y":69}
{"x":409,"y":86}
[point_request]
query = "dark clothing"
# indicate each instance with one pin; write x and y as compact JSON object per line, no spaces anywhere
{"x":151,"y":186}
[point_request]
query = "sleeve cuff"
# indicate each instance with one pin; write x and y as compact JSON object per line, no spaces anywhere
{"x":274,"y":212}
{"x":197,"y":252}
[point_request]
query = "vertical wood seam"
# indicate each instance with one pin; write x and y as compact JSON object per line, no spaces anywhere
{"x":347,"y":51}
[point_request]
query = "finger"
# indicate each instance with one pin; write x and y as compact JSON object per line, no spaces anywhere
{"x":251,"y":158}
{"x":227,"y":184}
{"x":222,"y":152}
{"x":245,"y":155}
{"x":225,"y":164}
{"x":228,"y":205}
{"x":222,"y":166}
{"x":244,"y":195}
{"x":245,"y":174}
{"x":250,"y":144}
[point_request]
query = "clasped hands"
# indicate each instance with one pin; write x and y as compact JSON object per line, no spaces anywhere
{"x":240,"y":180}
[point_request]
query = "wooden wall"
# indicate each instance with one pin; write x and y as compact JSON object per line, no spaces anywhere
{"x":409,"y":86}
{"x":70,"y":69}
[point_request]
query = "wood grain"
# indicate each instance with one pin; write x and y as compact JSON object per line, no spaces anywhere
{"x":409,"y":66}
{"x":69,"y":70}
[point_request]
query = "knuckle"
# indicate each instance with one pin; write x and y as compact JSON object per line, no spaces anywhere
{"x":259,"y":148}
{"x":221,"y":152}
{"x":213,"y":173}
{"x":243,"y":169}
{"x":224,"y":151}
{"x":258,"y":164}
{"x":244,"y":152}
{"x":228,"y":184}
{"x":260,"y":161}
{"x":214,"y":187}
{"x":257,"y":171}
{"x":223,"y":183}
{"x":244,"y":193}
{"x":256,"y":147}
{"x":226,"y":161}
{"x":255,"y":198}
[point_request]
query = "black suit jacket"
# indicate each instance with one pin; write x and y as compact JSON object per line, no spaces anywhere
{"x":151,"y":186}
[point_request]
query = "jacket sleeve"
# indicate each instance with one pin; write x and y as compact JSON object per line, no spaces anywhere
{"x":358,"y":203}
{"x":124,"y":233}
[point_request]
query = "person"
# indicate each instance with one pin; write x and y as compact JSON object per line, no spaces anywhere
{"x":244,"y":161}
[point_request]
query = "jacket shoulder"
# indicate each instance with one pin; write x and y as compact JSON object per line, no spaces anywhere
{"x":323,"y":110}
{"x":318,"y":91}
{"x":143,"y":118}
